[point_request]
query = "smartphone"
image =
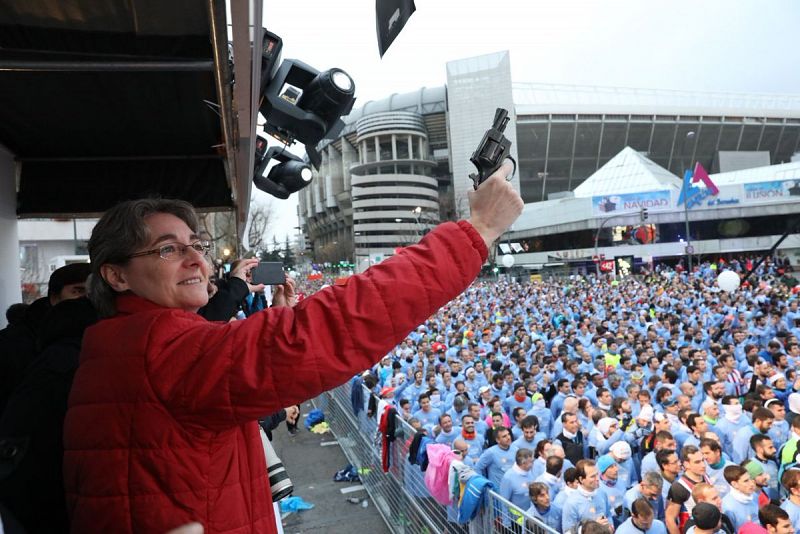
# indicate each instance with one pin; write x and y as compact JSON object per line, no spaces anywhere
{"x":269,"y":273}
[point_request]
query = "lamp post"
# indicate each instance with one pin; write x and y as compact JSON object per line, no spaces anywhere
{"x":422,"y":219}
{"x":597,"y":240}
{"x":689,"y":135}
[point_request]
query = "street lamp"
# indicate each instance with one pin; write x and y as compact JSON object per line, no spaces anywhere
{"x":597,"y":240}
{"x":689,"y":135}
{"x":418,"y":216}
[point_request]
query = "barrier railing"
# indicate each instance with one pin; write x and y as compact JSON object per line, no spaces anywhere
{"x":400,"y":494}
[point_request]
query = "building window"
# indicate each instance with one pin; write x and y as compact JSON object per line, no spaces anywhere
{"x":385,"y":144}
{"x":402,"y":147}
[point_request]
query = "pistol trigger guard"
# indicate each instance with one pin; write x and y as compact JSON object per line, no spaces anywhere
{"x":513,"y":172}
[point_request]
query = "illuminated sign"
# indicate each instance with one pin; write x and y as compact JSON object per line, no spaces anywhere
{"x":607,"y":266}
{"x":624,"y":265}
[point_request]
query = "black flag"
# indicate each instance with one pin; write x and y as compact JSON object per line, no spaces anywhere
{"x":390,"y":17}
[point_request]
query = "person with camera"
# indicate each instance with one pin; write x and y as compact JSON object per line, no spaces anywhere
{"x":162,"y":426}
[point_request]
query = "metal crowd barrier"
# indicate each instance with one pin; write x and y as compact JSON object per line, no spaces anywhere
{"x":400,"y":494}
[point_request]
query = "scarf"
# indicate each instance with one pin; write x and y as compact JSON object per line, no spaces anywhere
{"x":520,"y":398}
{"x":586,"y":493}
{"x":568,"y":434}
{"x":710,"y":420}
{"x":467,"y":435}
{"x":741,"y":497}
{"x":733,"y":412}
{"x":541,"y":511}
{"x":717,"y":466}
{"x":608,"y":482}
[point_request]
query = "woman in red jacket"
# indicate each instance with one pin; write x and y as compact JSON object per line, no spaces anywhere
{"x":161,"y":428}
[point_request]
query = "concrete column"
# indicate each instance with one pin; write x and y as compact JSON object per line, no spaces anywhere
{"x":10,"y":291}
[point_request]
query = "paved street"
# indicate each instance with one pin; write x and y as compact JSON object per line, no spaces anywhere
{"x":311,"y":468}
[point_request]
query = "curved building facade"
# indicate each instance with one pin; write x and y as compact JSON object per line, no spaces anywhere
{"x":394,"y":194}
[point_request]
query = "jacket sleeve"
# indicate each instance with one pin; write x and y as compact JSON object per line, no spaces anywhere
{"x":219,"y":375}
{"x":224,"y":304}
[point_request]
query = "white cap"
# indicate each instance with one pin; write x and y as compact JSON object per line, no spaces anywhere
{"x":794,"y":403}
{"x":646,"y":413}
{"x":621,"y":450}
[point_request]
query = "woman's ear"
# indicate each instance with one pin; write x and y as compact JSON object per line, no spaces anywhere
{"x":115,"y":277}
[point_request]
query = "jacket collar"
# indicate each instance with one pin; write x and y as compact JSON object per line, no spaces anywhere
{"x":128,"y":303}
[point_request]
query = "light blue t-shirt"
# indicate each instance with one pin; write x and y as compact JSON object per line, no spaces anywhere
{"x":739,"y":512}
{"x":629,"y":528}
{"x":494,"y":462}
{"x":794,"y":513}
{"x":578,"y":507}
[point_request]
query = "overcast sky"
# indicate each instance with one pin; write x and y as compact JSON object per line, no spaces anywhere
{"x":740,"y":46}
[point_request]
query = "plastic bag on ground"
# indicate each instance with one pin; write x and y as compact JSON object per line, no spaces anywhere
{"x":295,"y":504}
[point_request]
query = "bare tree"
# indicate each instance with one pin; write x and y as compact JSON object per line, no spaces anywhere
{"x":220,"y":228}
{"x":261,"y":216}
{"x":335,"y":252}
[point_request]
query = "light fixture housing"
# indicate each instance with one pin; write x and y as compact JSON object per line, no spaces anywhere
{"x":290,"y":175}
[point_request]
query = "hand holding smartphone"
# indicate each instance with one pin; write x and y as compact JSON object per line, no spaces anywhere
{"x":269,"y":273}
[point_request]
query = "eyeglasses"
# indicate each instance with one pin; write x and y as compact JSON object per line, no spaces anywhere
{"x":174,"y":251}
{"x":458,"y":452}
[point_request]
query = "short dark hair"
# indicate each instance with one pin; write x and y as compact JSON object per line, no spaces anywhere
{"x":581,"y":467}
{"x":770,"y":515}
{"x":687,"y":450}
{"x":530,"y":421}
{"x":570,"y":475}
{"x":554,"y":464}
{"x":732,"y":473}
{"x":758,"y":439}
{"x":641,"y":508}
{"x":499,"y":430}
{"x":119,"y":232}
{"x":662,"y":457}
{"x":763,"y":414}
{"x":691,"y":421}
{"x":537,"y":488}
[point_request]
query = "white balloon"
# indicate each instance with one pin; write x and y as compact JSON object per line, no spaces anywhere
{"x":728,"y":281}
{"x":507,"y":261}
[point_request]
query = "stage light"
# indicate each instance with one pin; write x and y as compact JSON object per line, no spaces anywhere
{"x":290,"y":175}
{"x":301,"y":104}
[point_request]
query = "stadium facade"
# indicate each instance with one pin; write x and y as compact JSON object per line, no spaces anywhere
{"x":402,"y":163}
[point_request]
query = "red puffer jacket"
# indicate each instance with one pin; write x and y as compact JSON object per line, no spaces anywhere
{"x":161,"y":426}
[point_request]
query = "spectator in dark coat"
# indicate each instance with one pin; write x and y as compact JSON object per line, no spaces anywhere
{"x":31,"y":481}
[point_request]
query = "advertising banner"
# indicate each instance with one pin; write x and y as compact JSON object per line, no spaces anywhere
{"x":630,"y":203}
{"x":771,"y":191}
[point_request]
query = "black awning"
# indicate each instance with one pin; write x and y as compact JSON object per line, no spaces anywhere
{"x":102,"y":101}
